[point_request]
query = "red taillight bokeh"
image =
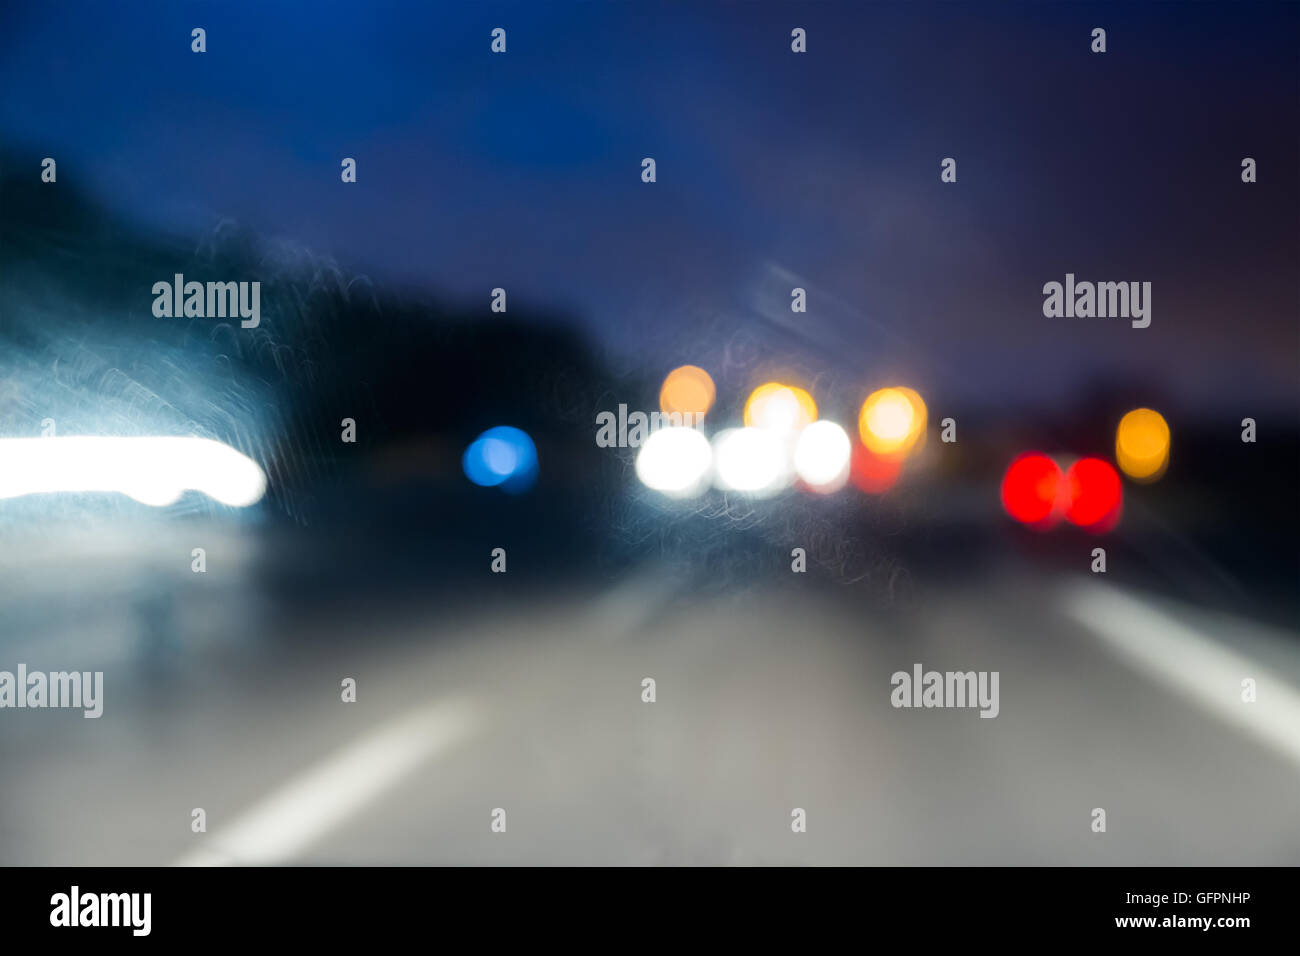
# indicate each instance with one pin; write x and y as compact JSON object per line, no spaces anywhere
{"x":872,"y":473}
{"x":1094,"y":493}
{"x":1030,"y":488}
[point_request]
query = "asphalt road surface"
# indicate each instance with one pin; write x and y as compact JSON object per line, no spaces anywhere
{"x":770,"y":696}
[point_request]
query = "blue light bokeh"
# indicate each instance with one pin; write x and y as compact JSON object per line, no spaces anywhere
{"x":502,"y":457}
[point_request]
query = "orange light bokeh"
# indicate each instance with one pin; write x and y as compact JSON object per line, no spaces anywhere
{"x":786,"y":408}
{"x":1142,"y":445}
{"x":892,"y":421}
{"x":687,"y":390}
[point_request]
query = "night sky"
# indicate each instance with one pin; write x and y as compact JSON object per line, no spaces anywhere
{"x":774,"y":169}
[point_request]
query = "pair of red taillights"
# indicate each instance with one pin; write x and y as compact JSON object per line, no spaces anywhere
{"x":1037,"y":493}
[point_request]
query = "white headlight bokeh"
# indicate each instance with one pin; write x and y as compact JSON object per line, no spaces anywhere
{"x":821,"y":456}
{"x":675,"y":461}
{"x":753,"y":460}
{"x":153,"y":471}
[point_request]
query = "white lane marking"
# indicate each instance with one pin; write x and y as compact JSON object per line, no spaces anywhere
{"x":1187,"y":661}
{"x":318,"y":800}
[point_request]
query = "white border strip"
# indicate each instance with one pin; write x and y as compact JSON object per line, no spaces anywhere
{"x":1196,"y":666}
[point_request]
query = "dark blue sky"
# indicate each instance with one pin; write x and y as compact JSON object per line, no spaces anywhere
{"x":522,"y":170}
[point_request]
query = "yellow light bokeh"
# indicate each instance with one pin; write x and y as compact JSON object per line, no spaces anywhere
{"x":777,"y":407}
{"x":687,"y":390}
{"x":892,"y":420}
{"x":1142,"y":444}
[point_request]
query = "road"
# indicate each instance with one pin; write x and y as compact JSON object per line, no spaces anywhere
{"x":769,"y":697}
